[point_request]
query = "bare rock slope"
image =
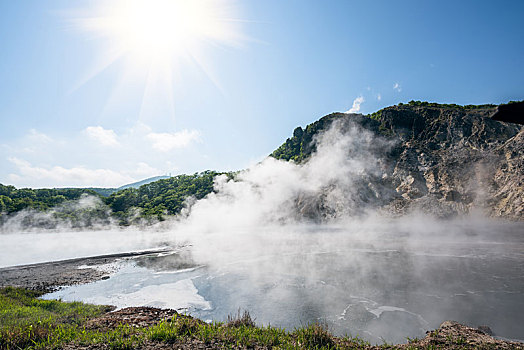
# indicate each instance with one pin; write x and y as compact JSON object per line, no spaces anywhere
{"x":441,"y":159}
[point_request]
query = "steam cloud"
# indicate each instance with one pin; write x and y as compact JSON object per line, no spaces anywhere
{"x":307,"y":239}
{"x":311,"y":232}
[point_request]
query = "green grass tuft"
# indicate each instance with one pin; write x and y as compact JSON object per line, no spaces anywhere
{"x":315,"y":336}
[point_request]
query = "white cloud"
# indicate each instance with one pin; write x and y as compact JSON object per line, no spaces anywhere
{"x":105,"y":137}
{"x":31,"y":143}
{"x":379,"y":97}
{"x":39,"y":137}
{"x":76,"y":176}
{"x":144,"y":170}
{"x":165,"y":142}
{"x":356,"y":105}
{"x":96,"y":157}
{"x":397,"y":87}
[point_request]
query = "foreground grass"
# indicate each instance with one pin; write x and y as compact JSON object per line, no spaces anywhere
{"x":27,"y":322}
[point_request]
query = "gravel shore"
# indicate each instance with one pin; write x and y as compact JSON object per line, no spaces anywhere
{"x":49,"y":276}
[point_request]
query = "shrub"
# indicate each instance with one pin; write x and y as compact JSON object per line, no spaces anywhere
{"x":240,"y":320}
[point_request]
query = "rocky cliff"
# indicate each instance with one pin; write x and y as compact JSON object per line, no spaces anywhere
{"x":441,"y":159}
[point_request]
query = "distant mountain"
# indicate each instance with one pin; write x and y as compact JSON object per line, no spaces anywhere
{"x":106,"y":192}
{"x":143,"y":182}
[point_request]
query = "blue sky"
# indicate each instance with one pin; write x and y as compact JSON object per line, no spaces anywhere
{"x":287,"y":64}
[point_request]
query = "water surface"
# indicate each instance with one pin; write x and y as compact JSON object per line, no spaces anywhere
{"x":383,"y":289}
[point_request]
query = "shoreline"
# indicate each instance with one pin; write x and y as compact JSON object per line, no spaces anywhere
{"x":47,"y":277}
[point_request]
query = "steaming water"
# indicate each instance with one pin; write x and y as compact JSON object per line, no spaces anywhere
{"x":31,"y":247}
{"x":370,"y":276}
{"x":386,"y":287}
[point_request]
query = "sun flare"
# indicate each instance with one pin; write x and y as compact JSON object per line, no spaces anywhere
{"x":156,"y":38}
{"x":159,"y":28}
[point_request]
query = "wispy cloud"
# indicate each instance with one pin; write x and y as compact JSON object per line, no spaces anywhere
{"x":76,"y":176}
{"x":95,"y":156}
{"x":356,"y":105}
{"x":397,"y":87}
{"x":105,"y":137}
{"x":36,"y":136}
{"x":32,"y":142}
{"x":145,"y":170}
{"x":165,"y":142}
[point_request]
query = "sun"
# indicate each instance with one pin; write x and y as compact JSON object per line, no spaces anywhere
{"x":155,"y":29}
{"x":156,"y":38}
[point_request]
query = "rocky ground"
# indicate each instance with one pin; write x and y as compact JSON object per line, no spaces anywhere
{"x":133,"y":316}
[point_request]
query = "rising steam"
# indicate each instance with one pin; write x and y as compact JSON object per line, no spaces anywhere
{"x":296,"y":243}
{"x":313,"y":238}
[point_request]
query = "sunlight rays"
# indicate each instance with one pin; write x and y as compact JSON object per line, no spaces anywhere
{"x":154,"y":40}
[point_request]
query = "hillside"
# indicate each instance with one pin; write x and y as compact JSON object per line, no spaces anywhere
{"x":442,"y":159}
{"x":163,"y":197}
{"x":13,"y":199}
{"x":107,"y":191}
{"x":143,"y":182}
{"x":78,"y":208}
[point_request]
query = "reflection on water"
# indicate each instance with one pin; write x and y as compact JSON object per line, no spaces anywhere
{"x":386,"y":290}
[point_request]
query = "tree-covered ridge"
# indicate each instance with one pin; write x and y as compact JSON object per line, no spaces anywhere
{"x":300,"y":146}
{"x":166,"y":196}
{"x":13,"y":200}
{"x":153,"y":200}
{"x":447,"y":105}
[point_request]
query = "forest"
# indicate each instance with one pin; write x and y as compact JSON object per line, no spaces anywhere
{"x":153,"y":201}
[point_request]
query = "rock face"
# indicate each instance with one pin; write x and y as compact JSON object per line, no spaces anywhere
{"x":441,"y":159}
{"x":454,"y":160}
